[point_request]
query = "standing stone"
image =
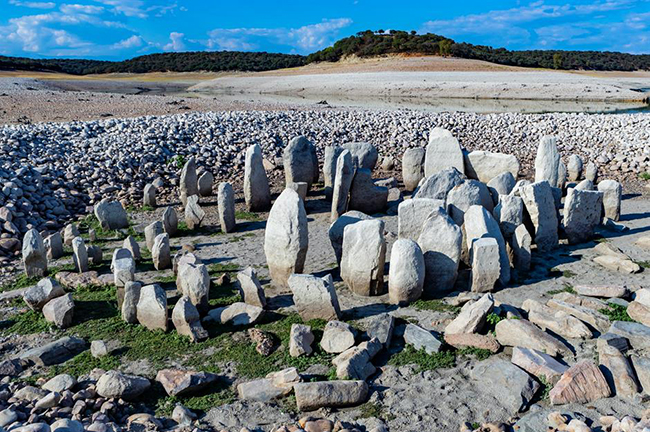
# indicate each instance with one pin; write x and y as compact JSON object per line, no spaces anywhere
{"x":501,"y":184}
{"x":161,"y":253}
{"x":250,"y":288}
{"x":54,"y":246}
{"x":337,"y":228}
{"x":618,"y":372}
{"x":204,"y":184}
{"x":582,"y":383}
{"x":365,"y":195}
{"x":612,"y":192}
{"x":34,"y":254}
{"x":129,"y":307}
{"x":465,"y":195}
{"x":152,"y":308}
{"x":364,"y":254}
{"x":509,"y":213}
{"x":187,"y":320}
{"x":364,"y":154}
{"x":438,"y":185}
{"x":60,"y":311}
{"x":149,"y":195}
{"x":79,"y":255}
{"x":170,"y":221}
{"x":332,"y":154}
{"x":226,"y":203}
{"x":298,"y":161}
{"x":195,"y":284}
{"x":123,"y":267}
{"x":300,"y":340}
{"x":132,"y":246}
{"x":480,"y":223}
{"x":581,"y":214}
{"x":547,"y":161}
{"x":574,"y":168}
{"x":413,"y":167}
{"x":342,"y":184}
{"x":540,"y":204}
{"x":194,"y":214}
{"x":485,"y":166}
{"x":441,"y":243}
{"x":443,"y":151}
{"x":521,"y":242}
{"x":286,"y":237}
{"x":152,"y":231}
{"x":406,"y":272}
{"x":411,"y":215}
{"x":95,"y":254}
{"x":256,"y":185}
{"x":561,"y":175}
{"x":591,"y":173}
{"x":300,"y":188}
{"x":485,"y":264}
{"x":111,"y":215}
{"x":315,"y":298}
{"x":69,"y":233}
{"x":188,"y":181}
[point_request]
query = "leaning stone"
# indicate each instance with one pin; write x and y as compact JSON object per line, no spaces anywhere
{"x":538,"y":364}
{"x":187,"y":320}
{"x":612,"y":192}
{"x":437,"y":186}
{"x":547,"y":161}
{"x":315,"y":298}
{"x":441,"y":243}
{"x":79,"y":255}
{"x":250,"y":288}
{"x":365,"y":195}
{"x":115,"y":384}
{"x":511,"y":386}
{"x":539,"y":202}
{"x":129,"y":306}
{"x":618,"y":264}
{"x":581,"y":383}
{"x":286,"y":237}
{"x":152,"y":308}
{"x":311,"y":396}
{"x":485,"y":166}
{"x":574,"y":168}
{"x":473,"y":340}
{"x":420,"y":338}
{"x":55,"y":352}
{"x":637,"y":334}
{"x":149,"y":195}
{"x":337,"y":337}
{"x":411,"y":215}
{"x":364,"y":254}
{"x":381,"y":328}
{"x":472,"y":316}
{"x":605,"y":291}
{"x":236,"y":314}
{"x":509,"y":213}
{"x":132,"y":246}
{"x":170,"y":221}
{"x":523,"y":333}
{"x":194,"y":214}
{"x":161,"y":253}
{"x":413,"y":167}
{"x":69,"y":233}
{"x":111,"y":215}
{"x":54,"y":246}
{"x":364,"y":154}
{"x":40,"y":294}
{"x":330,"y":159}
{"x":177,"y":382}
{"x":581,"y":215}
{"x":60,"y":311}
{"x":342,"y":183}
{"x":256,"y":185}
{"x":521,"y":248}
{"x":152,"y":231}
{"x":34,"y":254}
{"x":298,"y":161}
{"x":204,"y":184}
{"x":639,"y":312}
{"x":443,"y":151}
{"x":123,"y":267}
{"x":642,"y":367}
{"x":300,"y":340}
{"x":485,"y":264}
{"x":480,"y":223}
{"x":188,"y":184}
{"x":226,"y":204}
{"x":618,"y":372}
{"x":406,"y":272}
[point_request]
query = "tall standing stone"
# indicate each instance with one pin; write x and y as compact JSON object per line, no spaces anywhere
{"x":194,"y":214}
{"x":170,"y":221}
{"x":365,"y":195}
{"x":161,"y":253}
{"x":364,"y":256}
{"x":298,"y":161}
{"x":204,"y":184}
{"x":413,"y":167}
{"x":133,"y":247}
{"x":521,"y":242}
{"x":69,"y":233}
{"x":226,"y":204}
{"x":337,"y":228}
{"x":581,"y":214}
{"x":486,"y":267}
{"x":342,"y":183}
{"x":34,"y":254}
{"x":80,"y":255}
{"x":152,"y":231}
{"x":332,"y":154}
{"x":152,"y":308}
{"x":129,"y":307}
{"x":123,"y":267}
{"x":612,"y":192}
{"x":188,"y":182}
{"x":250,"y":288}
{"x":480,"y":223}
{"x":412,"y":213}
{"x":547,"y":161}
{"x":149,"y":195}
{"x":591,"y":173}
{"x":406,"y":272}
{"x":540,"y":204}
{"x":286,"y":237}
{"x":441,"y":243}
{"x":443,"y":151}
{"x":256,"y":185}
{"x":574,"y":168}
{"x":195,"y":284}
{"x":54,"y":246}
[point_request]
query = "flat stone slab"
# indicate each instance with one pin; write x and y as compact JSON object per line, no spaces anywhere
{"x":313,"y":395}
{"x":511,"y":385}
{"x":605,"y":291}
{"x":637,"y":334}
{"x":55,"y":352}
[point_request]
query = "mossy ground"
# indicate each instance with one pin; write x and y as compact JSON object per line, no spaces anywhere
{"x":616,"y":312}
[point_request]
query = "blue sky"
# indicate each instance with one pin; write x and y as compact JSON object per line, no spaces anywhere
{"x":118,"y":29}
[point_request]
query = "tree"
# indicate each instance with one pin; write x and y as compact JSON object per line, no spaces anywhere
{"x":445,"y":47}
{"x":557,"y":61}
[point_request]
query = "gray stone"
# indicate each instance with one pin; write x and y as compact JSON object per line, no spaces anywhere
{"x":301,"y":188}
{"x":129,"y":305}
{"x":337,"y":337}
{"x":465,"y":195}
{"x":194,"y":214}
{"x":34,"y":254}
{"x":561,"y":175}
{"x":250,"y":288}
{"x":161,"y":253}
{"x":502,"y":184}
{"x":420,"y":338}
{"x":298,"y":161}
{"x":204,"y":184}
{"x":406,"y":272}
{"x":123,"y":267}
{"x":177,"y":382}
{"x":616,"y":263}
{"x":342,"y":183}
{"x":411,"y":215}
{"x":115,"y":384}
{"x":557,"y":321}
{"x":443,"y":152}
{"x":413,"y":167}
{"x":618,"y":372}
{"x":236,"y":314}
{"x":337,"y":229}
{"x":605,"y":291}
{"x":480,"y":223}
{"x":300,"y":340}
{"x":152,"y":308}
{"x":286,"y":237}
{"x":365,"y":196}
{"x":149,"y":195}
{"x":438,"y":185}
{"x":256,"y":185}
{"x":642,"y":367}
{"x":574,"y":168}
{"x":54,"y":352}
{"x":54,"y":246}
{"x":274,"y":386}
{"x":40,"y":294}
{"x":315,"y":298}
{"x":539,"y":202}
{"x":99,"y":348}
{"x":637,"y":334}
{"x":590,"y":316}
{"x":547,"y":161}
{"x":472,"y":316}
{"x":612,"y":192}
{"x":188,"y":184}
{"x":195,"y":284}
{"x":69,"y":233}
{"x":538,"y":364}
{"x":95,"y":254}
{"x":509,"y":213}
{"x":364,"y":255}
{"x":79,"y":255}
{"x":485,"y":166}
{"x":60,"y":383}
{"x":330,"y":159}
{"x":364,"y":154}
{"x":314,"y":395}
{"x":170,"y":221}
{"x":381,"y":327}
{"x":354,"y":363}
{"x":152,"y":231}
{"x":226,"y":204}
{"x":132,"y":246}
{"x":581,"y":214}
{"x":523,"y":333}
{"x":187,"y":321}
{"x":513,"y":387}
{"x":485,"y":264}
{"x":60,"y":311}
{"x":591,"y":173}
{"x":111,"y":215}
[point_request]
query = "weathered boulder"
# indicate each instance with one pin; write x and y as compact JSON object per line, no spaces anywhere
{"x":250,"y":288}
{"x":188,"y":184}
{"x":152,"y":231}
{"x":298,"y":161}
{"x":115,"y":384}
{"x":69,"y":233}
{"x":365,"y":195}
{"x":509,"y":213}
{"x":177,"y":382}
{"x":538,"y":364}
{"x":473,"y":340}
{"x":406,"y":272}
{"x":480,"y":223}
{"x":616,"y":263}
{"x":315,"y":298}
{"x":194,"y":214}
{"x":574,"y":168}
{"x":40,"y":294}
{"x":236,"y":314}
{"x":364,"y":154}
{"x":152,"y":307}
{"x":443,"y":152}
{"x":636,"y":333}
{"x":80,"y":255}
{"x":618,"y":372}
{"x":161,"y":253}
{"x":590,"y":316}
{"x":465,"y":195}
{"x":313,"y":395}
{"x":132,"y":246}
{"x":547,"y":161}
{"x":581,"y":383}
{"x":34,"y":254}
{"x":123,"y":267}
{"x":204,"y":184}
{"x":95,"y":254}
{"x":187,"y":320}
{"x":54,"y":352}
{"x":438,"y":185}
{"x":226,"y":207}
{"x":60,"y":311}
{"x":540,"y":204}
{"x":54,"y":246}
{"x":256,"y":185}
{"x":485,"y":264}
{"x":170,"y":221}
{"x":363,"y":259}
{"x":411,"y":215}
{"x":337,"y":337}
{"x":591,"y":173}
{"x":581,"y":214}
{"x":60,"y":383}
{"x":330,"y":159}
{"x":286,"y":238}
{"x":484,"y":165}
{"x":513,"y":387}
{"x":195,"y":284}
{"x":342,"y":182}
{"x":472,"y":316}
{"x":354,"y":363}
{"x":606,"y":291}
{"x":612,"y":192}
{"x":149,"y":195}
{"x":501,"y":184}
{"x":337,"y":229}
{"x":381,"y":328}
{"x":413,"y":167}
{"x":300,"y":340}
{"x":111,"y":215}
{"x":558,"y":321}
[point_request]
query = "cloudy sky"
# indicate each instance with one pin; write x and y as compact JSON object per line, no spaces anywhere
{"x":118,"y":29}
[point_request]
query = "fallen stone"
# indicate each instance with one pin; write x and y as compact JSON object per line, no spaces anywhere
{"x":250,"y":288}
{"x":40,"y":294}
{"x":55,"y":352}
{"x":557,"y":321}
{"x":596,"y":319}
{"x":618,"y":372}
{"x":274,"y":386}
{"x":381,"y":327}
{"x":354,"y":363}
{"x":513,"y":387}
{"x":538,"y":364}
{"x":637,"y":334}
{"x":420,"y":338}
{"x":300,"y":340}
{"x":472,"y":340}
{"x":523,"y":333}
{"x":115,"y":384}
{"x":236,"y":314}
{"x":178,"y":382}
{"x":581,"y":383}
{"x":60,"y":311}
{"x":472,"y":316}
{"x":337,"y":337}
{"x":313,"y":395}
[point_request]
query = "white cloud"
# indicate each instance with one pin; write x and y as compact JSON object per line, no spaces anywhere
{"x":131,"y":42}
{"x":176,"y":42}
{"x":303,"y":39}
{"x":33,"y":5}
{"x":81,"y":9}
{"x":130,"y":8}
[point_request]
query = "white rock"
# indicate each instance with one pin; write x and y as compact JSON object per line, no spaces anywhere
{"x":364,"y":255}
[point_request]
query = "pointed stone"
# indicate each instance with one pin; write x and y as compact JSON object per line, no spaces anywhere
{"x":34,"y":254}
{"x":161,"y":253}
{"x":152,"y":231}
{"x":574,"y":168}
{"x":443,"y":151}
{"x":250,"y":288}
{"x":188,"y":181}
{"x":226,"y":204}
{"x":195,"y":284}
{"x":342,"y":182}
{"x":187,"y":320}
{"x":149,"y":195}
{"x":256,"y":185}
{"x":79,"y":255}
{"x":132,"y":246}
{"x":194,"y":214}
{"x":204,"y":184}
{"x":170,"y":221}
{"x":332,"y":154}
{"x":521,"y":248}
{"x":54,"y":246}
